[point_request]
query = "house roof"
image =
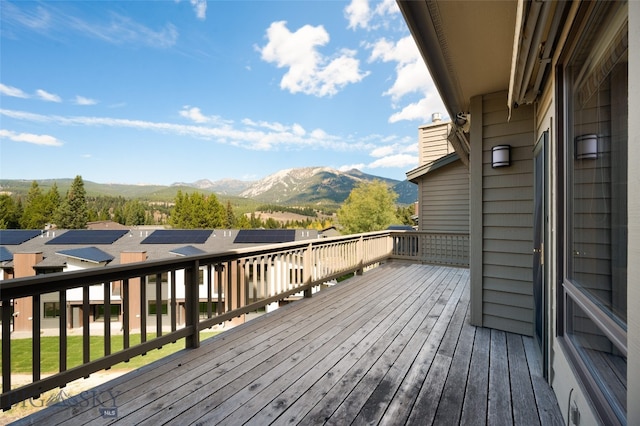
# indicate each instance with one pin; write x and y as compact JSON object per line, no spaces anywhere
{"x":187,"y":251}
{"x":88,"y":236}
{"x":89,"y":254}
{"x":12,"y":237}
{"x":418,"y":172}
{"x":253,"y":236}
{"x":217,"y":241}
{"x":5,"y":254}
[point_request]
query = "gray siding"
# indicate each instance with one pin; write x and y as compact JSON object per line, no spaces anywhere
{"x":444,"y":199}
{"x":507,"y":217}
{"x":433,"y":143}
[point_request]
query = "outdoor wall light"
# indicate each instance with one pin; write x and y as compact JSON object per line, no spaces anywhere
{"x":587,"y":147}
{"x":500,"y":156}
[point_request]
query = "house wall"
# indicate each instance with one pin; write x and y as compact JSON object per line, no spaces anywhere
{"x":444,"y":199}
{"x":23,"y":264}
{"x":432,"y":141}
{"x":501,"y":210}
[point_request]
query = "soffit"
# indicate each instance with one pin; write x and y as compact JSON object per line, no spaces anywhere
{"x":467,"y":46}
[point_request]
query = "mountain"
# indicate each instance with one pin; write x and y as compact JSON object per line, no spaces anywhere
{"x":222,"y":186}
{"x":299,"y":186}
{"x":319,"y":185}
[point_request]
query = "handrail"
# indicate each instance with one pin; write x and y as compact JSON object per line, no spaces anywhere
{"x":200,"y":291}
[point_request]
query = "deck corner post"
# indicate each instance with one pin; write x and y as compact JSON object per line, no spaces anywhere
{"x":192,"y":305}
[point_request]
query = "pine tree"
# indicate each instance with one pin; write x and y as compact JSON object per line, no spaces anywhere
{"x":10,"y":212}
{"x":73,"y":212}
{"x":230,"y":221}
{"x":34,"y":213}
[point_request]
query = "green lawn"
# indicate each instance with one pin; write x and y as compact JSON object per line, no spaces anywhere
{"x":49,"y":363}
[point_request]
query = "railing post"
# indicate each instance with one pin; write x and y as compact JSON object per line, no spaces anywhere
{"x":360,"y":255}
{"x":192,"y":305}
{"x":307,"y":269}
{"x":6,"y":350}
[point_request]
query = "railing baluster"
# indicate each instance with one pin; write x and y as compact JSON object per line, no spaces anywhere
{"x":6,"y":348}
{"x":174,"y":302}
{"x":209,"y":291}
{"x":192,"y":305}
{"x":159,"y":305}
{"x":143,"y":310}
{"x":107,"y":318}
{"x":86,"y":335}
{"x":220,"y":305}
{"x":62,"y":343}
{"x":35,"y":338}
{"x":126,"y":304}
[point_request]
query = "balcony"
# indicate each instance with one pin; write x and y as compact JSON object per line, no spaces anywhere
{"x":391,"y":345}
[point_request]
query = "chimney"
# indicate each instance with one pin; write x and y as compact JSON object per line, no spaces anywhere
{"x":436,"y":117}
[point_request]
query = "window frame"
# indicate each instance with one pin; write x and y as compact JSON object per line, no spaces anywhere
{"x":567,"y":291}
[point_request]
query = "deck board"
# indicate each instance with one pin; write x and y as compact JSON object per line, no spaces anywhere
{"x":393,"y":346}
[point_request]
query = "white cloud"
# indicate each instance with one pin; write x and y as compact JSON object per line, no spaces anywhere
{"x":397,"y":160}
{"x":200,"y":7}
{"x":46,"y":96}
{"x":53,"y":21}
{"x":30,"y":138}
{"x":195,"y":114}
{"x":309,"y":72}
{"x":420,"y":110}
{"x":81,"y":100}
{"x":412,"y":78}
{"x":249,"y":136}
{"x":122,"y":30}
{"x":360,"y":15}
{"x":346,"y":168}
{"x":383,"y":151}
{"x":14,"y":92}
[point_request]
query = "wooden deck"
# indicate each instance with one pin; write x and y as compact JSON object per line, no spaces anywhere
{"x":393,"y":346}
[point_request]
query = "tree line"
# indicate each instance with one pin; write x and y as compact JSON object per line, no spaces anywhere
{"x":370,"y":207}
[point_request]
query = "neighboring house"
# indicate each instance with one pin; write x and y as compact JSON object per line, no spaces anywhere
{"x":540,"y":94}
{"x":442,"y":179}
{"x":32,"y":252}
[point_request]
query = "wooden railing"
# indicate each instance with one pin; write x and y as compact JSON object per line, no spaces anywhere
{"x":445,"y":248}
{"x":199,"y":291}
{"x":237,"y":282}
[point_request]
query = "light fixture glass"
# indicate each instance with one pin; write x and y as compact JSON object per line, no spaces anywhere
{"x":500,"y":156}
{"x":587,"y":147}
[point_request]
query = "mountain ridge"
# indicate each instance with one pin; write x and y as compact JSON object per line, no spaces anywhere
{"x":294,"y":186}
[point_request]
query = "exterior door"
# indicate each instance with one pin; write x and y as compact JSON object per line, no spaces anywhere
{"x":540,"y":218}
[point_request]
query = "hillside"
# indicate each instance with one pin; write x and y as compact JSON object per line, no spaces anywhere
{"x":311,"y":186}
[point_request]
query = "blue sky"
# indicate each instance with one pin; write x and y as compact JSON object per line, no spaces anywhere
{"x":171,"y":91}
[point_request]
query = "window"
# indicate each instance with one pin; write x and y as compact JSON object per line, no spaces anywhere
{"x":51,"y":309}
{"x":164,"y":309}
{"x":115,"y":312}
{"x":204,"y":312}
{"x":594,"y":292}
{"x":164,"y":278}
